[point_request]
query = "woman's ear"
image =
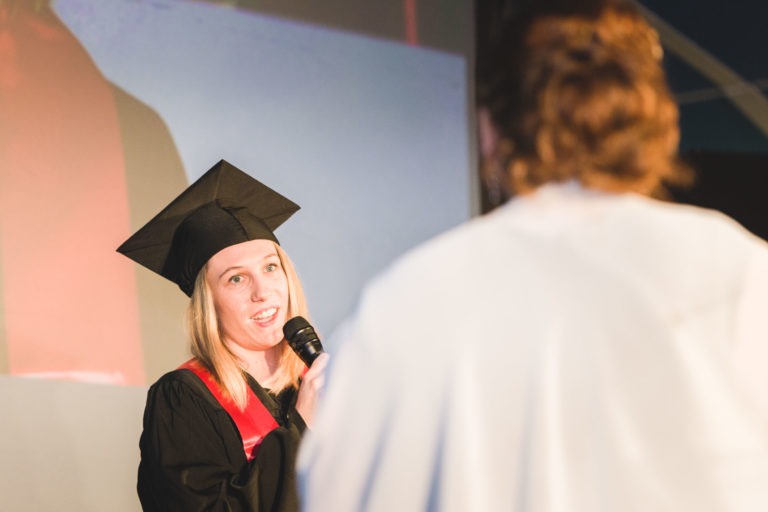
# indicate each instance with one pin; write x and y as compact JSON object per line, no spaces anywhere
{"x":492,"y":173}
{"x":487,"y":135}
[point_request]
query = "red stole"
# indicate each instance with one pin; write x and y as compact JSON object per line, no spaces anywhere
{"x":254,"y":422}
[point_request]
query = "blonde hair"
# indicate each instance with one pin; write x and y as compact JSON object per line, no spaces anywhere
{"x":208,"y":346}
{"x":577,"y":91}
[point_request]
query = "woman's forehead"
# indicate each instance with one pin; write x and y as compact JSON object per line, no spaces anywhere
{"x":242,"y":254}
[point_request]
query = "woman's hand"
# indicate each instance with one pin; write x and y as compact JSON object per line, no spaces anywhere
{"x":311,"y":386}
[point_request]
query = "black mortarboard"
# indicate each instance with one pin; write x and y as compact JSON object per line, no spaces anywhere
{"x":224,"y":207}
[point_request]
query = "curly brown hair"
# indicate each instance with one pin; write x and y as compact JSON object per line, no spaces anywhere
{"x":576,"y":90}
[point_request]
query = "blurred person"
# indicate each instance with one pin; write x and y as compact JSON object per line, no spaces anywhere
{"x":222,"y":430}
{"x":584,"y":347}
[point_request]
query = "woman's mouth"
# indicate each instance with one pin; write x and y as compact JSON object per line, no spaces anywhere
{"x":265,"y":315}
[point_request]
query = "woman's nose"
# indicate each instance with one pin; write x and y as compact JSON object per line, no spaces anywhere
{"x":259,"y":292}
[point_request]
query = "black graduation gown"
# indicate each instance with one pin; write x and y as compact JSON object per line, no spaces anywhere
{"x":192,"y":454}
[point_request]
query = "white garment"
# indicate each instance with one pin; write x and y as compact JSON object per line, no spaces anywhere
{"x":570,"y":352}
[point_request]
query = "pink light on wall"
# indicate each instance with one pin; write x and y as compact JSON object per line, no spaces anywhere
{"x":69,"y":300}
{"x":411,"y":22}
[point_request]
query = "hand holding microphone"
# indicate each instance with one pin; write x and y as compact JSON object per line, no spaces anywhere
{"x":303,"y":339}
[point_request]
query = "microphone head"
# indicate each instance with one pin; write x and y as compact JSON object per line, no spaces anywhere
{"x":294,"y":325}
{"x":303,"y":339}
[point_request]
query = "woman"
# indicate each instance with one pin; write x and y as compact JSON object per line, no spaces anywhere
{"x":221,"y":431}
{"x":583,"y":347}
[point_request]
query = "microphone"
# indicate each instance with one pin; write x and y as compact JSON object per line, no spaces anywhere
{"x":303,"y":339}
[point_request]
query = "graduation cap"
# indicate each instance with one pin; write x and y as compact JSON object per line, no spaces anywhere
{"x":224,"y":207}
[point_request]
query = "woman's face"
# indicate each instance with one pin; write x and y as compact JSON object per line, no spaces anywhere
{"x":250,"y":292}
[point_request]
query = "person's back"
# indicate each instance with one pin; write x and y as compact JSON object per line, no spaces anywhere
{"x":552,"y":359}
{"x":583,"y":348}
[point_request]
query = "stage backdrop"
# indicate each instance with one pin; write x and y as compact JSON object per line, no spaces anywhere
{"x":111,"y":107}
{"x":358,"y":111}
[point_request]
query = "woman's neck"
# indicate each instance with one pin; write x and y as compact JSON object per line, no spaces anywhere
{"x":262,"y":365}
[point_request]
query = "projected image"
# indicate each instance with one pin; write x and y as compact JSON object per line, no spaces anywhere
{"x":72,"y":176}
{"x":125,"y":102}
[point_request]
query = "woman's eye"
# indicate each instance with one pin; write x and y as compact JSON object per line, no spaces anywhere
{"x":236,"y":279}
{"x":271,"y":267}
